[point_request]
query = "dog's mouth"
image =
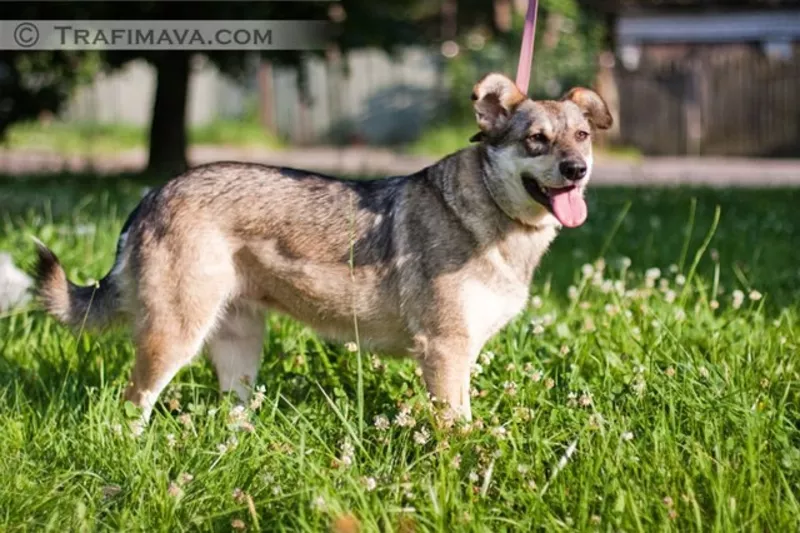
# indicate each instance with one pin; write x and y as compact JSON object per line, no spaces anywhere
{"x":566,"y":203}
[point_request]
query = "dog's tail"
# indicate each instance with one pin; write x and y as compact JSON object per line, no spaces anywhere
{"x":91,"y":307}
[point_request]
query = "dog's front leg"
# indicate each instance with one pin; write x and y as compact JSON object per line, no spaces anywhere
{"x":446,"y":366}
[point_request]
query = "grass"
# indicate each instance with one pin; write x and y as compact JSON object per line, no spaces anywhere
{"x":90,"y":138}
{"x":679,"y":403}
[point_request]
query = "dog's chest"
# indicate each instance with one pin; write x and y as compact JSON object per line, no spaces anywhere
{"x":497,"y":286}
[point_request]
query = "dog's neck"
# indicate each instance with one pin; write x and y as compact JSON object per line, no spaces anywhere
{"x":468,"y":182}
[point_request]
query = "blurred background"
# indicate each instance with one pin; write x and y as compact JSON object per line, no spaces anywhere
{"x":685,"y":78}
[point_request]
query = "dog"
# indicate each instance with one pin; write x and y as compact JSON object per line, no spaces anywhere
{"x":430,"y":265}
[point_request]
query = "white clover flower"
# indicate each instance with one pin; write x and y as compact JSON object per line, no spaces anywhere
{"x":703,"y":371}
{"x":171,"y":440}
{"x":587,"y":270}
{"x":510,"y":388}
{"x":318,"y":504}
{"x":487,"y":357}
{"x":585,"y":400}
{"x":754,"y":295}
{"x":713,"y":304}
{"x":607,"y":286}
{"x":258,"y":398}
{"x":600,"y":264}
{"x":174,"y":490}
{"x":572,"y":292}
{"x":611,"y":309}
{"x":625,"y":262}
{"x":351,"y":347}
{"x":137,"y":428}
{"x":404,"y":418}
{"x":680,"y":315}
{"x":422,"y":436}
{"x":476,"y":369}
{"x":670,"y":296}
{"x":473,"y":477}
{"x":572,"y":399}
{"x":348,"y":451}
{"x":596,"y":420}
{"x":738,"y":299}
{"x":382,"y":423}
{"x":680,"y":279}
{"x":369,"y":483}
{"x":627,"y":436}
{"x":538,"y":330}
{"x":499,"y":432}
{"x":639,"y":385}
{"x":673,"y":268}
{"x":536,"y":302}
{"x":652,"y":273}
{"x":236,"y":413}
{"x":523,"y":413}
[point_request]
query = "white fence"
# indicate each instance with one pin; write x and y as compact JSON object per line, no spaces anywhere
{"x":368,"y":97}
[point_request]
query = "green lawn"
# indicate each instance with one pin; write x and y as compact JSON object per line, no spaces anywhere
{"x":85,"y":138}
{"x":679,"y":402}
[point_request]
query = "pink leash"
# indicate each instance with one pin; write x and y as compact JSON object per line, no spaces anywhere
{"x":526,"y":52}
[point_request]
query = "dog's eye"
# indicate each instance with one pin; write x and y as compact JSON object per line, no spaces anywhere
{"x":582,"y":135}
{"x":539,"y":138}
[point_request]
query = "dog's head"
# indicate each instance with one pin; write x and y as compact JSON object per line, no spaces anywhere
{"x":539,"y":153}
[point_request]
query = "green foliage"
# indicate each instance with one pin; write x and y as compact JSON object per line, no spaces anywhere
{"x":679,"y":394}
{"x":568,"y":39}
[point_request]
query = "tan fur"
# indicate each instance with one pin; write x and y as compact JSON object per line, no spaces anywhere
{"x":430,"y":265}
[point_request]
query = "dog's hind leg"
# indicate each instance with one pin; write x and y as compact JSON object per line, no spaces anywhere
{"x":235,"y":349}
{"x":178,"y":307}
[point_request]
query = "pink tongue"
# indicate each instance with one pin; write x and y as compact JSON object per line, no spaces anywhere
{"x":569,"y":206}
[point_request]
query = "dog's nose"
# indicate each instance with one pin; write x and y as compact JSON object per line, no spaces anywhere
{"x":572,"y":170}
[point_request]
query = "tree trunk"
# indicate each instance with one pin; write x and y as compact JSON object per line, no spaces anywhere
{"x":168,"y":124}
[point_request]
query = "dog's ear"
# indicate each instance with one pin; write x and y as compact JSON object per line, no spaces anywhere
{"x":495,"y":97}
{"x":593,"y":106}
